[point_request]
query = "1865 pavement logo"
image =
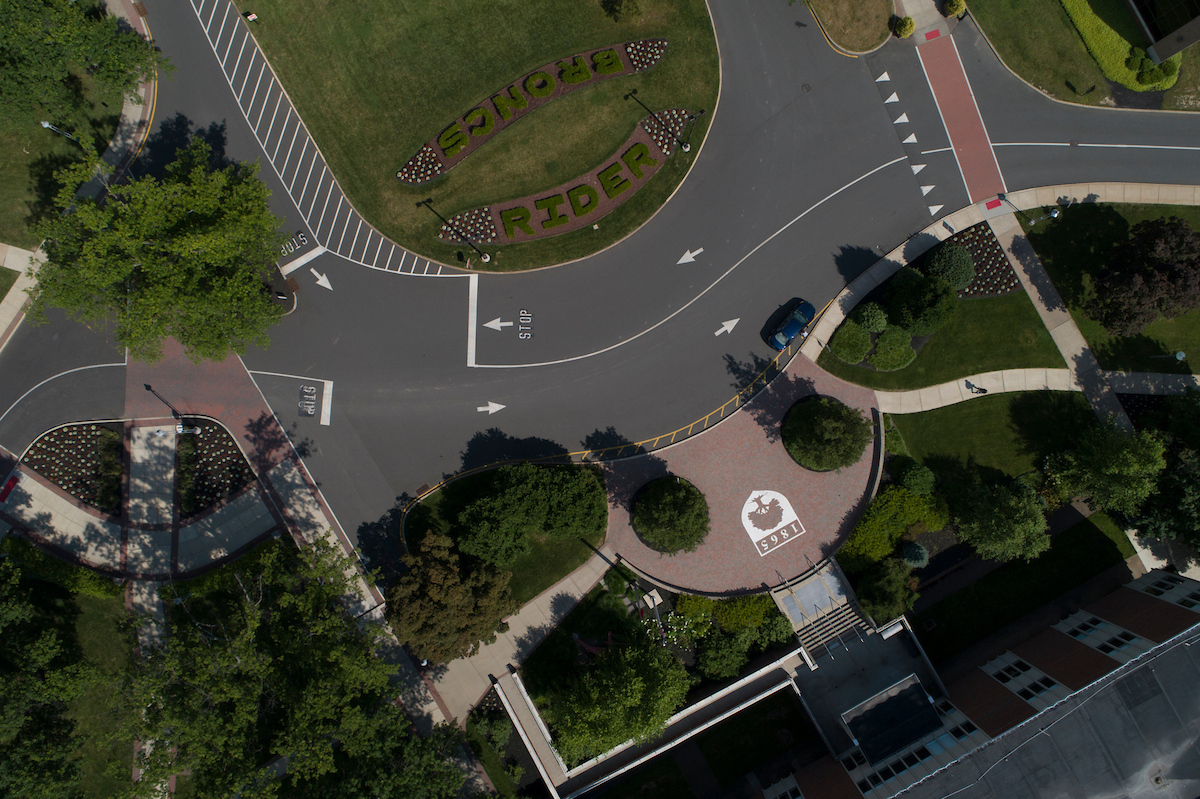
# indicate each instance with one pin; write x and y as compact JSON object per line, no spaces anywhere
{"x":770,"y":521}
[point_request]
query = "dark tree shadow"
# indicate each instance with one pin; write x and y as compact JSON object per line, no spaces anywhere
{"x":1046,"y":422}
{"x":45,"y":185}
{"x":1079,"y":242}
{"x":381,"y":542}
{"x":1138,"y":353}
{"x":560,"y":605}
{"x":494,"y":446}
{"x":916,"y":247}
{"x":851,"y":261}
{"x":768,"y":392}
{"x":268,"y":442}
{"x":626,"y":466}
{"x":174,"y":134}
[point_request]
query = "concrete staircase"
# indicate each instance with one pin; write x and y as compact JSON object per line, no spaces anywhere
{"x":844,"y":620}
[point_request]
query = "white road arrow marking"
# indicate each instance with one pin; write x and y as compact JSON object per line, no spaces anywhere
{"x":917,"y":168}
{"x":689,"y":256}
{"x":912,"y":139}
{"x":727,"y":327}
{"x":322,"y":280}
{"x":925,"y":190}
{"x":491,"y":408}
{"x":882,"y":78}
{"x":933,"y":209}
{"x":900,"y":119}
{"x":496,"y":324}
{"x":892,"y":99}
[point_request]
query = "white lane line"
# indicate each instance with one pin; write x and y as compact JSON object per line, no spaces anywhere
{"x":308,"y":257}
{"x":55,"y":377}
{"x":689,"y":303}
{"x":1102,"y":146}
{"x":221,"y":32}
{"x":391,"y":252}
{"x":200,"y":8}
{"x":317,"y":190}
{"x":942,"y":150}
{"x":283,"y":135}
{"x":472,"y":316}
{"x":354,"y":243}
{"x":245,"y":80}
{"x":263,"y":110}
{"x":271,"y":127}
{"x":936,"y":105}
{"x":327,"y":403}
{"x":325,"y":207}
{"x":208,"y":24}
{"x":426,"y":270}
{"x":345,"y":226}
{"x":254,"y":96}
{"x":439,"y":269}
{"x":237,"y":63}
{"x":288,"y":158}
{"x":378,"y":249}
{"x":232,"y":36}
{"x":403,"y":255}
{"x":987,"y":137}
{"x":308,"y":177}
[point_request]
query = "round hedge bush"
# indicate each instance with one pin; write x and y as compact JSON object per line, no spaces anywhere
{"x":952,"y":263}
{"x":955,"y":7}
{"x":918,"y":303}
{"x":851,"y":343}
{"x":914,"y":476}
{"x":903,"y":27}
{"x":671,"y":515}
{"x":914,"y":554}
{"x":822,"y":434}
{"x":871,"y":317}
{"x":893,"y":350}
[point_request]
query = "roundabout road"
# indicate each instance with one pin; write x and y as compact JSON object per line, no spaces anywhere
{"x":804,"y":180}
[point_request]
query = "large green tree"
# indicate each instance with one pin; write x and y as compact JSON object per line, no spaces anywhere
{"x":1114,"y":469}
{"x":629,"y":692}
{"x":1174,"y":511}
{"x":46,"y":44}
{"x":262,"y":660}
{"x":1003,"y":523}
{"x":184,"y":256}
{"x":821,"y":433}
{"x":38,"y":756}
{"x":671,"y":515}
{"x":441,"y":610}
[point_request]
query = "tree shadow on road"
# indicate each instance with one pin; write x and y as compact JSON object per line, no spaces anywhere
{"x":852,"y":260}
{"x":626,"y":466}
{"x":767,"y":391}
{"x":493,"y":447}
{"x":174,"y":134}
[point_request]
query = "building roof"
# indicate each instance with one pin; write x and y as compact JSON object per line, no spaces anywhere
{"x":1133,"y":733}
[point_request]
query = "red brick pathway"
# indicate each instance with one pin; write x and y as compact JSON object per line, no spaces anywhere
{"x":740,"y":455}
{"x":952,"y":92}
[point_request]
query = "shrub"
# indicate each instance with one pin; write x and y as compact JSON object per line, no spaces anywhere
{"x":723,"y":655}
{"x":952,"y":263}
{"x":893,"y":442}
{"x":919,"y":304}
{"x":1003,"y":523}
{"x":892,"y":513}
{"x":872,"y":317}
{"x":823,"y":434}
{"x":955,"y":7}
{"x":185,"y":474}
{"x":903,"y":27}
{"x":887,"y":590}
{"x":1113,"y":53}
{"x":671,"y":515}
{"x":914,"y":554}
{"x":893,"y":350}
{"x":851,"y":342}
{"x":112,"y":467}
{"x":38,"y":565}
{"x":697,"y":609}
{"x":735,"y":615}
{"x":914,"y":476}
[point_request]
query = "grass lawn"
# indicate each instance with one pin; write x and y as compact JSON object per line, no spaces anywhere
{"x":755,"y":736}
{"x":1185,"y":94}
{"x":7,"y":278}
{"x":661,"y":778}
{"x":1077,"y":245}
{"x":1017,"y":588}
{"x":490,"y":759}
{"x":857,"y":27}
{"x":982,"y":335}
{"x":1036,"y":39}
{"x":1005,"y":434}
{"x":547,"y":562}
{"x":28,"y":159}
{"x":406,"y":71}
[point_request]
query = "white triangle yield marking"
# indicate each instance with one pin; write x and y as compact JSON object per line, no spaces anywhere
{"x":892,"y":99}
{"x":925,"y":190}
{"x":912,"y":139}
{"x":900,"y":119}
{"x":917,"y":168}
{"x":933,"y":209}
{"x":882,"y":78}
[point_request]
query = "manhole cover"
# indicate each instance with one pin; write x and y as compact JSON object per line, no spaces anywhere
{"x":806,"y":87}
{"x":1074,"y":142}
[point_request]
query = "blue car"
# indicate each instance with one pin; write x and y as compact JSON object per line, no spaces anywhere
{"x":794,"y":324}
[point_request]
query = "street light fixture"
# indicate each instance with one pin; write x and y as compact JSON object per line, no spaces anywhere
{"x":428,"y":203}
{"x":1054,"y":212}
{"x":687,"y":148}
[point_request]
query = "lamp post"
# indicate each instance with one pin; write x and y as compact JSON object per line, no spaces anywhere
{"x":428,"y":203}
{"x":1179,"y":356}
{"x":59,"y":131}
{"x":1054,"y":212}
{"x":687,"y":148}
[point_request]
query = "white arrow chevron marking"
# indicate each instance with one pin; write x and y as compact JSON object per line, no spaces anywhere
{"x":496,"y":324}
{"x":689,"y":256}
{"x":727,"y":327}
{"x":322,"y":280}
{"x":491,"y":408}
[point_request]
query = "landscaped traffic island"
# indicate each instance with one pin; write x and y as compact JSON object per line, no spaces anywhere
{"x":480,"y":108}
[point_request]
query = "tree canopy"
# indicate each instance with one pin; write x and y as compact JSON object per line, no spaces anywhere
{"x":46,"y":44}
{"x":184,"y":256}
{"x":443,"y":611}
{"x":894,"y":511}
{"x":1003,"y":523}
{"x":1116,"y":470}
{"x":261,"y":660}
{"x":671,"y":515}
{"x":821,"y":434}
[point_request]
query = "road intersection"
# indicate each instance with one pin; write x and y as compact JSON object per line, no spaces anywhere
{"x":814,"y":167}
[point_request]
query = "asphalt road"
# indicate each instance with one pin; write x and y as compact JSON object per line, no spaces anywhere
{"x":803,"y":181}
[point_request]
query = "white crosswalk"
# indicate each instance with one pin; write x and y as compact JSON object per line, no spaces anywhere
{"x":293,"y":155}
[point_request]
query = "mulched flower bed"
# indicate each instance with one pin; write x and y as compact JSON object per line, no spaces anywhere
{"x":1141,"y":407}
{"x":85,"y":460}
{"x":210,"y":467}
{"x":994,"y":275}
